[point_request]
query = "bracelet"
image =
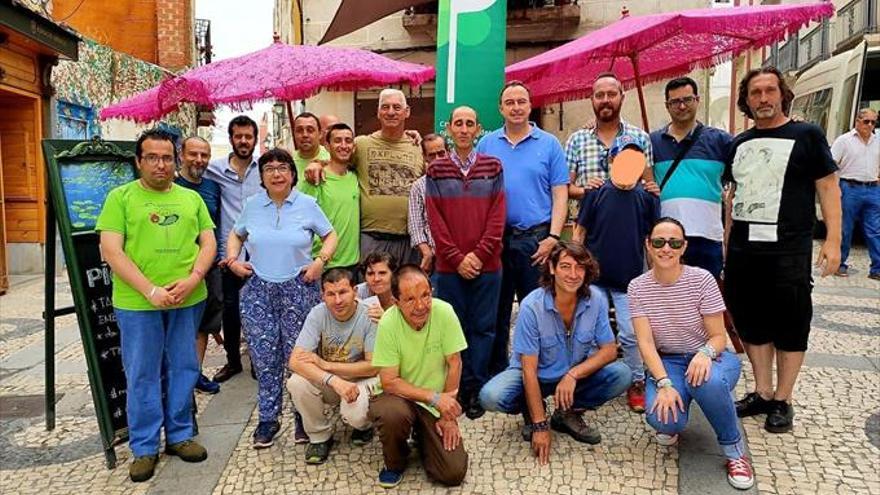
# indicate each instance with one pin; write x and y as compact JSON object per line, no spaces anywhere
{"x":540,"y":426}
{"x":435,"y":399}
{"x":327,"y":378}
{"x":553,"y":236}
{"x":152,"y":292}
{"x":709,"y":351}
{"x":664,"y":383}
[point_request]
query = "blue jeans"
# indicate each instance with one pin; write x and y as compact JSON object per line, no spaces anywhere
{"x":505,"y":392}
{"x":625,"y":333}
{"x":159,"y":357}
{"x":476,"y":304}
{"x":704,"y":253}
{"x":714,"y":398}
{"x":518,"y":278}
{"x":861,"y":203}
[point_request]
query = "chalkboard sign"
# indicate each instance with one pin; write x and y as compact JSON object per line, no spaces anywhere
{"x":81,"y":174}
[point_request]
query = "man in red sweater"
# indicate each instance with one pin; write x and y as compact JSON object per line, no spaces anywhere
{"x":464,"y":198}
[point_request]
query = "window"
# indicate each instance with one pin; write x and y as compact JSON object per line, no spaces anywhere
{"x":75,"y":121}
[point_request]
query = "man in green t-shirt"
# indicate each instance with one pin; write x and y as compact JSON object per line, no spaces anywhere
{"x":307,"y":141}
{"x":418,"y":350}
{"x":339,"y":198}
{"x":158,"y":239}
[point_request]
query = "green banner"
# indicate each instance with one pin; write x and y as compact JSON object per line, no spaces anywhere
{"x":471,"y":42}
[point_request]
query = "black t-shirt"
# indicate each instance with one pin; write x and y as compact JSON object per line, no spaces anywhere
{"x":617,"y":222}
{"x":775,"y":172}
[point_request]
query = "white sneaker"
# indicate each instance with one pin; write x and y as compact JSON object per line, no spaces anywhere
{"x":740,"y":474}
{"x":666,"y":440}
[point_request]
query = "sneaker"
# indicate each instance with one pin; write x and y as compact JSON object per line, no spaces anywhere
{"x":389,"y":478}
{"x":142,"y":468}
{"x":264,"y":436}
{"x":752,"y":405}
{"x":842,"y":272}
{"x":299,"y":432}
{"x":206,"y":386}
{"x":666,"y":440}
{"x":635,"y":396}
{"x":361,"y":437}
{"x":874,"y":276}
{"x":572,"y":422}
{"x":227,"y":372}
{"x":473,"y":409}
{"x":187,"y":450}
{"x":780,"y":417}
{"x":317,"y":453}
{"x":740,"y":474}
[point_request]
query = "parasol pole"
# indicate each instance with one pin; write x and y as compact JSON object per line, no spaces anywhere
{"x":290,"y":120}
{"x":634,"y":58}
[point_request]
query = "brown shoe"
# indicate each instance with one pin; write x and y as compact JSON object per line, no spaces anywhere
{"x":187,"y":450}
{"x":142,"y":468}
{"x":572,"y":422}
{"x":227,"y":372}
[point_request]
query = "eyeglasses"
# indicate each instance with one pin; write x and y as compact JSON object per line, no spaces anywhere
{"x":687,"y":100}
{"x":869,"y":122}
{"x":152,"y":159}
{"x":659,"y":242}
{"x":281,"y":169}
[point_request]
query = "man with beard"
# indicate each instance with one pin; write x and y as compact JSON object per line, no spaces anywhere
{"x":195,"y":155}
{"x":238,"y":176}
{"x":770,"y":239}
{"x":308,"y":139}
{"x":691,"y":182}
{"x":536,"y":185}
{"x":587,"y":152}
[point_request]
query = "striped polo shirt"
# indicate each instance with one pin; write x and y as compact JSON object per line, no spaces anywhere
{"x":693,"y":193}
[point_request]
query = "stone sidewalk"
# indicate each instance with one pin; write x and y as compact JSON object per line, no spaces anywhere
{"x":833,"y":449}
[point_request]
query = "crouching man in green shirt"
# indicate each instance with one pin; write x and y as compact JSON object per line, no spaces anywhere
{"x":418,"y":350}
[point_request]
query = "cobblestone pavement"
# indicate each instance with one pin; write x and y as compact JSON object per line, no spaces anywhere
{"x":834,"y":447}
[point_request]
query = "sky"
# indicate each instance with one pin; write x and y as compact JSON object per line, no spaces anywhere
{"x":237,"y":27}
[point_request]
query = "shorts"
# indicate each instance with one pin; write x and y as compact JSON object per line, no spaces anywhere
{"x":213,"y":315}
{"x":770,"y":298}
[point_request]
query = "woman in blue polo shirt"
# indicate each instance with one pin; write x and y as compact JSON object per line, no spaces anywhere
{"x":276,"y":227}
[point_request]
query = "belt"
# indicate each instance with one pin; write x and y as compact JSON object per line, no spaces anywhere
{"x":536,"y":229}
{"x":854,"y":182}
{"x":386,"y":236}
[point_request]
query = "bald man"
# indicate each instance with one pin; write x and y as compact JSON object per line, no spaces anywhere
{"x":326,"y":121}
{"x":468,"y":247}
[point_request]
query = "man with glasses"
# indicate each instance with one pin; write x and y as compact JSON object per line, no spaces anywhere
{"x":433,"y":147}
{"x":688,"y":164}
{"x":857,"y":153}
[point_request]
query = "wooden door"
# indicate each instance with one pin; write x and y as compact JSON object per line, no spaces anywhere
{"x":4,"y":278}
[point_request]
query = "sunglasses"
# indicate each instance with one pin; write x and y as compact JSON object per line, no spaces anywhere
{"x":659,"y":242}
{"x":869,"y":122}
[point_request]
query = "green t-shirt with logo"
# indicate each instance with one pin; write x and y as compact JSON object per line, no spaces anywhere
{"x":419,"y":355}
{"x":339,"y":199}
{"x":301,"y":163}
{"x":160,"y":231}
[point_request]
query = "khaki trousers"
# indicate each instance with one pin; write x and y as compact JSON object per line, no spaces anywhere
{"x":309,"y":400}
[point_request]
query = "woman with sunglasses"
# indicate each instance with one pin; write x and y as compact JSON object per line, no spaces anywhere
{"x":276,"y":227}
{"x":677,"y":313}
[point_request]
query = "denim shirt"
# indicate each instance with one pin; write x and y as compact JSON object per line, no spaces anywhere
{"x":540,"y":331}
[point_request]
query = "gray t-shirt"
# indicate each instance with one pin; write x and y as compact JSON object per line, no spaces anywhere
{"x":338,"y":341}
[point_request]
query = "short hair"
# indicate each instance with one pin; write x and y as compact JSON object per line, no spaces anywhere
{"x":610,"y":74}
{"x":193,"y":138}
{"x":404,"y":270}
{"x":244,"y":121}
{"x":452,"y":112}
{"x":680,"y":82}
{"x":280,"y":155}
{"x":308,"y":115}
{"x":155,"y":134}
{"x":863,"y":111}
{"x":379,"y":257}
{"x":385,"y":93}
{"x":581,"y":255}
{"x":667,"y":220}
{"x":334,"y":275}
{"x":742,"y":102}
{"x":512,"y":84}
{"x":339,"y":126}
{"x":431,"y":137}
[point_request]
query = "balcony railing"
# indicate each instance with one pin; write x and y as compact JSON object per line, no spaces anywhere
{"x":788,"y":55}
{"x":854,"y":20}
{"x":812,"y":47}
{"x":203,"y":41}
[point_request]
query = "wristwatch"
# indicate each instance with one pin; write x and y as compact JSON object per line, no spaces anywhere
{"x":323,"y":257}
{"x":664,"y":383}
{"x":553,"y":236}
{"x":541,"y":426}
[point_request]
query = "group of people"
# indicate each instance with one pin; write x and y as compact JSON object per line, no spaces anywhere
{"x":443,"y":240}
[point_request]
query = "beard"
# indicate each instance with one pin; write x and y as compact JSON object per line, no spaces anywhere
{"x":615,"y":113}
{"x":196,"y":172}
{"x":243,"y":151}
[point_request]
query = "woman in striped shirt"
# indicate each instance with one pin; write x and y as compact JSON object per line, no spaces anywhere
{"x":677,"y":316}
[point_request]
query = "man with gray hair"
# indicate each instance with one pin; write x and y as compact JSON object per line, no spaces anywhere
{"x":387,"y":163}
{"x":857,"y":153}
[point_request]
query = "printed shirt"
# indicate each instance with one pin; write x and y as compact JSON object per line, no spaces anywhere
{"x":338,"y":341}
{"x":540,"y":331}
{"x":587,"y":155}
{"x":233,"y":193}
{"x":856,"y":159}
{"x":417,"y":222}
{"x":693,"y":193}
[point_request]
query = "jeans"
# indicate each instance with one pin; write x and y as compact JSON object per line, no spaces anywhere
{"x":505,"y":392}
{"x":475,"y":303}
{"x":704,"y":253}
{"x":861,"y":203}
{"x":272,"y":315}
{"x":518,"y":278}
{"x":714,"y":398}
{"x":159,"y":357}
{"x":625,"y":333}
{"x":232,"y":285}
